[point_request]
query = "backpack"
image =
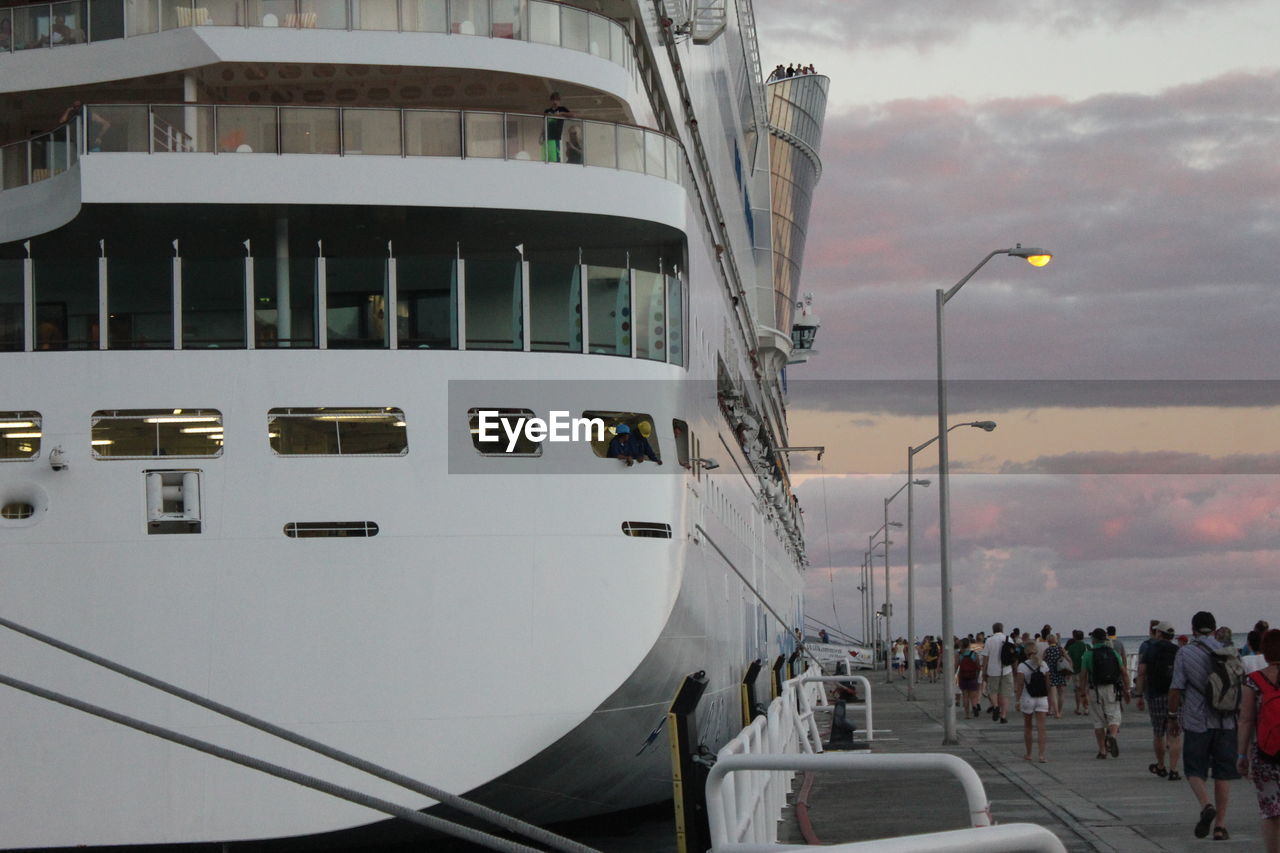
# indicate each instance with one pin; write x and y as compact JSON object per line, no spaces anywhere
{"x":1008,"y":653}
{"x":1106,"y":666}
{"x":1037,"y":684}
{"x":1226,"y":679}
{"x":1160,"y":667}
{"x":1268,"y":722}
{"x":969,"y":666}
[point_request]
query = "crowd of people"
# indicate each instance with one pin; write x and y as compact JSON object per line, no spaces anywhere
{"x":1214,"y":709}
{"x":782,"y":72}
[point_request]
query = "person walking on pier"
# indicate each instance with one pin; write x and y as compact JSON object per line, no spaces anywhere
{"x":1253,"y":759}
{"x":1031,"y":682}
{"x":1102,"y":670}
{"x":1075,"y":650}
{"x":997,"y":672}
{"x":1059,"y":673}
{"x":1209,"y":747}
{"x":1155,"y":676}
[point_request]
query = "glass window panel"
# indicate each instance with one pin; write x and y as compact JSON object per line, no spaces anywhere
{"x":6,"y":30}
{"x":175,"y":14}
{"x":11,"y":289}
{"x":675,"y":321}
{"x":494,"y":319}
{"x":601,"y":148}
{"x":151,"y":433}
{"x":142,"y":16}
{"x":469,"y":17}
{"x":609,"y":308}
{"x":284,"y":317}
{"x":20,"y":434}
{"x":31,"y":27}
{"x":619,"y":49}
{"x":524,"y":137}
{"x":484,"y":429}
{"x":427,"y":302}
{"x":574,"y":28}
{"x":213,"y":303}
{"x":374,"y":15}
{"x":356,"y":302}
{"x":639,"y":442}
{"x":598,"y":29}
{"x":508,"y":19}
{"x":123,"y":128}
{"x":337,"y":432}
{"x":425,"y":16}
{"x":651,"y":315}
{"x":484,"y":134}
{"x":66,"y":296}
{"x":680,"y":430}
{"x":68,"y":23}
{"x":630,"y":149}
{"x":139,"y":303}
{"x":673,"y":161}
{"x":13,"y":165}
{"x":322,"y":14}
{"x":429,"y":133}
{"x":371,"y":132}
{"x":182,"y":128}
{"x":655,"y":154}
{"x":555,"y":307}
{"x":222,"y":13}
{"x":273,"y":13}
{"x":245,"y":130}
{"x":544,"y":22}
{"x":308,"y":130}
{"x":106,"y":20}
{"x":571,"y":145}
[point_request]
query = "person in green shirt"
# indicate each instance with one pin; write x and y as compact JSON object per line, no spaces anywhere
{"x":1103,"y":674}
{"x":1076,"y":649}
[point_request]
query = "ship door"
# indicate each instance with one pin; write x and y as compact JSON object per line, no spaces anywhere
{"x":173,"y":501}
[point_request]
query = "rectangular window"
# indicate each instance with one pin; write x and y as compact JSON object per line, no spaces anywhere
{"x":19,"y":436}
{"x":632,"y":442}
{"x":496,"y":440}
{"x":681,"y":431}
{"x":609,"y":301}
{"x":356,"y":302}
{"x":675,"y":320}
{"x":555,"y":309}
{"x":66,"y":294}
{"x":650,"y":319}
{"x":213,"y":303}
{"x":333,"y":431}
{"x":151,"y":433}
{"x":494,"y":315}
{"x":284,"y":302}
{"x":427,"y":302}
{"x":329,"y":529}
{"x":140,"y":303}
{"x":11,"y":285}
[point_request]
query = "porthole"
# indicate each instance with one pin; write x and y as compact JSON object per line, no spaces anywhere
{"x":647,"y":529}
{"x":17,"y":510}
{"x":329,"y":529}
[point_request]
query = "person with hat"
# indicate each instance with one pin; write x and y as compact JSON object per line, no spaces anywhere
{"x":1155,"y":675}
{"x":1209,"y":745}
{"x":620,"y":445}
{"x":1103,"y":673}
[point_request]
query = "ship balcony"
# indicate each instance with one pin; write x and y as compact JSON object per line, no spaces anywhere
{"x":178,"y":153}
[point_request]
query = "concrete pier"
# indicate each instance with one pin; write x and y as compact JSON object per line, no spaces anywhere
{"x":1092,"y":805}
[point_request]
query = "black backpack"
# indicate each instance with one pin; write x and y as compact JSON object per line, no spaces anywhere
{"x":1008,"y":653}
{"x":1037,"y":684}
{"x":1160,"y":667}
{"x":1106,"y":666}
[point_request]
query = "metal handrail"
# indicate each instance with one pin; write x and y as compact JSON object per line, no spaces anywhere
{"x":864,"y":705}
{"x":38,"y":23}
{"x":1005,"y":838}
{"x":57,"y":149}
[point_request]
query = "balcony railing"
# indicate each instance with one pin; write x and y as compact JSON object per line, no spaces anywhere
{"x":51,"y":25}
{"x":40,"y":157}
{"x":343,"y":131}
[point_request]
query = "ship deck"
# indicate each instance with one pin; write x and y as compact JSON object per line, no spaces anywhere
{"x":1091,"y":805}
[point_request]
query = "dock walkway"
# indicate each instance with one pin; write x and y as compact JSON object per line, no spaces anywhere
{"x":1112,"y":805}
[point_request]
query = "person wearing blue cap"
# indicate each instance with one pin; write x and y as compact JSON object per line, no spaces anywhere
{"x":620,"y":446}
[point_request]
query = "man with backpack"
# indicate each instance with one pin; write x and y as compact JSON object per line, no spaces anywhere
{"x":1103,"y":673}
{"x":997,"y":672}
{"x":1155,"y":676}
{"x":1203,"y":698}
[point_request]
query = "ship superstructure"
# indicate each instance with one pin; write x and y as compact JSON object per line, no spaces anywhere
{"x":265,"y":266}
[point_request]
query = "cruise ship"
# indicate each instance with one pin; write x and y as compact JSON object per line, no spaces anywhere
{"x":267,"y":270}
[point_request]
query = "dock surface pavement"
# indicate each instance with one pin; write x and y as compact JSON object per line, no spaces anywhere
{"x":1091,"y":805}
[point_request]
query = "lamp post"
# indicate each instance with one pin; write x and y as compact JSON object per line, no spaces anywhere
{"x":877,"y":641}
{"x":911,"y":566}
{"x":886,"y":542}
{"x":1035,"y":257}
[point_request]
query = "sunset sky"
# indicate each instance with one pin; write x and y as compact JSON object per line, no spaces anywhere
{"x":1135,"y":472}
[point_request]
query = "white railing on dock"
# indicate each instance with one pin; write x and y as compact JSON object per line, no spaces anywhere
{"x":865,"y":705}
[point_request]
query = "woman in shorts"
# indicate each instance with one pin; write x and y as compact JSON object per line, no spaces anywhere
{"x":1035,"y":709}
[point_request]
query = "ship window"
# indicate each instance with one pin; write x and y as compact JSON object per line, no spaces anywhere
{"x":555,"y":307}
{"x":213,"y":303}
{"x":19,"y":436}
{"x":356,"y":302}
{"x":149,"y":433}
{"x":639,"y":424}
{"x":66,"y":296}
{"x":609,"y":301}
{"x":647,"y":529}
{"x":681,"y":430}
{"x":651,"y":315}
{"x":333,"y":431}
{"x":17,"y":510}
{"x":140,"y":303}
{"x":427,"y":302}
{"x":327,"y":529}
{"x":675,"y":321}
{"x":425,"y":16}
{"x":494,"y":316}
{"x":490,"y":436}
{"x":11,"y":284}
{"x":284,"y":302}
{"x":469,"y":17}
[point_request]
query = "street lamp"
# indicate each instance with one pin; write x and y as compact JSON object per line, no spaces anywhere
{"x":868,"y":565}
{"x":1036,"y":257}
{"x":887,"y":639}
{"x":911,"y":566}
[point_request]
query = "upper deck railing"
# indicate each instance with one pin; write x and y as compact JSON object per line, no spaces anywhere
{"x":71,"y":22}
{"x":342,"y":131}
